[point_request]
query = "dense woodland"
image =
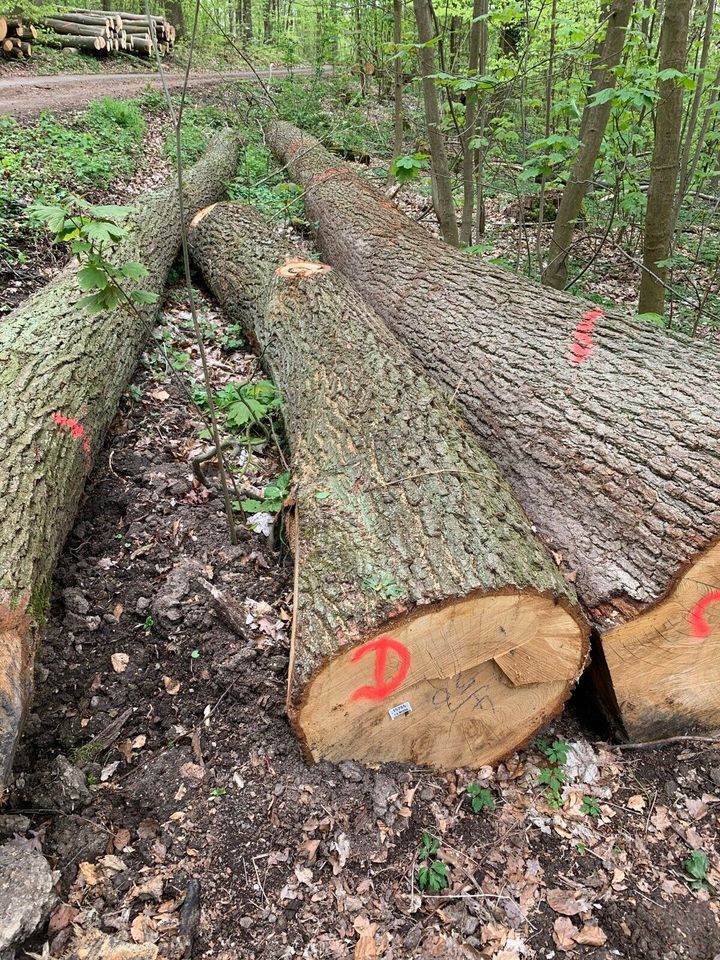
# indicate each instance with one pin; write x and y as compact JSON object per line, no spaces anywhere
{"x":360,"y":502}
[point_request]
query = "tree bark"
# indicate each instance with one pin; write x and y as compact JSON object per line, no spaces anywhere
{"x":607,"y":430}
{"x":593,"y":125}
{"x":469,"y":152}
{"x":441,"y":183}
{"x":414,"y":564}
{"x":666,"y":160}
{"x":62,"y":373}
{"x":398,"y":111}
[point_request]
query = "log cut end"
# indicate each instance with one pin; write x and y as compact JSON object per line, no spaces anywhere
{"x":665,"y":664}
{"x":457,"y":684}
{"x":17,"y":644}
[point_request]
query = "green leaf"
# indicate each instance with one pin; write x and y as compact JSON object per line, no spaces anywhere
{"x":144,"y":296}
{"x":134,"y":270}
{"x":92,"y":278}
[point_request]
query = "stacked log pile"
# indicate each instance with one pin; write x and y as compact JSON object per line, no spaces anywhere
{"x":102,"y":31}
{"x":16,"y":38}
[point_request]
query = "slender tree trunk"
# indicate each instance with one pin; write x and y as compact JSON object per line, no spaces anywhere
{"x":594,"y":123}
{"x":469,"y":152}
{"x":442,"y":185}
{"x":419,"y":582}
{"x":62,"y":373}
{"x":399,"y":113}
{"x":666,"y":159}
{"x":685,"y":166}
{"x":549,"y":79}
{"x":480,"y":126}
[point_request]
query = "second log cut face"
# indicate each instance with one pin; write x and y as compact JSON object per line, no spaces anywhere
{"x":431,"y":625}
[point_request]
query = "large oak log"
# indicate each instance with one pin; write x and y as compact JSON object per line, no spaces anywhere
{"x":607,"y":429}
{"x":62,"y":373}
{"x":420,"y":585}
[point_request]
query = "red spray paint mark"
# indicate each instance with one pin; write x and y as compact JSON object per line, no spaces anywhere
{"x":77,"y":432}
{"x":382,"y":688}
{"x":583,"y":343}
{"x":326,"y":175}
{"x":699,"y":627}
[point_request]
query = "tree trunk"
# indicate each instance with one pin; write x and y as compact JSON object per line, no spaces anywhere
{"x":441,"y":183}
{"x":469,"y":152}
{"x":666,"y":160}
{"x":419,"y":583}
{"x":62,"y":373}
{"x":398,"y":111}
{"x":594,"y":123}
{"x":607,"y":430}
{"x":686,"y":169}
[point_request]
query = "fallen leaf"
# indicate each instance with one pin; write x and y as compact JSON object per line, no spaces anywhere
{"x":309,"y":848}
{"x":62,"y":917}
{"x":108,"y":771}
{"x":90,"y":874}
{"x":304,"y":875}
{"x":119,"y":662}
{"x":696,"y":808}
{"x":151,"y":889}
{"x":637,"y":802}
{"x":564,"y":933}
{"x":591,"y":936}
{"x":137,"y":929}
{"x":365,"y":948}
{"x":192,"y":771}
{"x":147,"y":829}
{"x":567,"y":902}
{"x":171,"y":686}
{"x":112,"y":863}
{"x":160,"y":395}
{"x":118,"y":610}
{"x":121,"y":838}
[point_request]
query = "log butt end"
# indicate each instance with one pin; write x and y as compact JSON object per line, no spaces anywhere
{"x":456,"y":684}
{"x":17,"y":648}
{"x":665,"y":664}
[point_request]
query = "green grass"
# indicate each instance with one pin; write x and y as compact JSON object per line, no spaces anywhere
{"x":52,"y":158}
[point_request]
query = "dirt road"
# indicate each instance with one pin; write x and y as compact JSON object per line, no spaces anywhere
{"x":26,"y":96}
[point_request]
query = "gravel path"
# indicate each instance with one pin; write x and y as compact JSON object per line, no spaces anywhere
{"x":27,"y":96}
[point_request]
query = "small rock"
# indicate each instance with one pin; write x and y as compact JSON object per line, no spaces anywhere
{"x":383,"y":790}
{"x":26,"y":895}
{"x":142,"y":604}
{"x":75,"y":602}
{"x":13,"y":825}
{"x":351,"y":771}
{"x":62,"y":787}
{"x":715,"y":775}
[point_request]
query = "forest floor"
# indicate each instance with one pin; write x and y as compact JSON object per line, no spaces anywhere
{"x":158,"y":750}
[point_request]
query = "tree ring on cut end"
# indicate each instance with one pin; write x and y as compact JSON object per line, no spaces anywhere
{"x":476,"y":678}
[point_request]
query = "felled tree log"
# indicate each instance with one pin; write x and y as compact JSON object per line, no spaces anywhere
{"x":3,"y":28}
{"x":607,"y":430}
{"x":62,"y":373}
{"x":77,"y":29}
{"x":431,"y":626}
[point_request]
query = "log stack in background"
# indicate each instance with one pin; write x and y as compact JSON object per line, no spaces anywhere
{"x":16,"y":39}
{"x":103,"y":31}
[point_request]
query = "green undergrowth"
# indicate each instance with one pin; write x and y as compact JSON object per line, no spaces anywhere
{"x":52,"y":158}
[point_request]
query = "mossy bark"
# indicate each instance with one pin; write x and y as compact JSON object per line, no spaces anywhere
{"x":62,"y":373}
{"x":402,"y":527}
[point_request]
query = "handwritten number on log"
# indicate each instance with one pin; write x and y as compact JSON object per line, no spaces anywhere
{"x":382,"y":688}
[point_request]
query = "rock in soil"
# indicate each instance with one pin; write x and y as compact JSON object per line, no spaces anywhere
{"x":26,"y":895}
